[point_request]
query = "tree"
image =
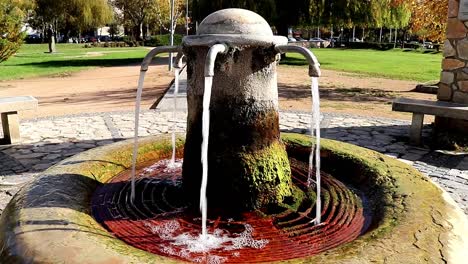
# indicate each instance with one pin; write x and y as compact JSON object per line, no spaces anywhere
{"x":160,"y":13}
{"x":12,"y":14}
{"x":429,"y":18}
{"x":88,"y":13}
{"x":288,"y":14}
{"x":114,"y":30}
{"x":77,"y":15}
{"x":282,"y":14}
{"x":134,"y":14}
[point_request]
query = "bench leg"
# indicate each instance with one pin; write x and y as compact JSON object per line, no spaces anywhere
{"x":10,"y":124}
{"x":416,"y":129}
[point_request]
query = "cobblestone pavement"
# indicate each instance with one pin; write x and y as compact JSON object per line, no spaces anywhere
{"x":48,"y":141}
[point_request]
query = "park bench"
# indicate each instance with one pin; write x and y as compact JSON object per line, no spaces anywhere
{"x":9,"y":107}
{"x":419,"y":108}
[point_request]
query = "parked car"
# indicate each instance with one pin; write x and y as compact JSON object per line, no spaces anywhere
{"x":355,"y":40}
{"x":91,"y":39}
{"x":428,"y":45}
{"x":292,"y":40}
{"x":105,"y":38}
{"x":300,"y":39}
{"x":33,"y":39}
{"x":316,"y":40}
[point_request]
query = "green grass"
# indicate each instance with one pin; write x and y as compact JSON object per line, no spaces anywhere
{"x":392,"y":64}
{"x":32,"y":60}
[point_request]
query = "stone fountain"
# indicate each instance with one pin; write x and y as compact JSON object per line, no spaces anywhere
{"x":374,"y":208}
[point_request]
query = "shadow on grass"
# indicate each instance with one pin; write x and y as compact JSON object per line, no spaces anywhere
{"x":421,"y":51}
{"x":95,"y":62}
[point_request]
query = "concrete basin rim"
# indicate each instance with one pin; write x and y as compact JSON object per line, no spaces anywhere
{"x":112,"y":245}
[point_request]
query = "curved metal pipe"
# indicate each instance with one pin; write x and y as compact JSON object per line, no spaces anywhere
{"x":144,"y":68}
{"x":179,"y":60}
{"x":211,"y":58}
{"x":154,"y":52}
{"x":314,"y":65}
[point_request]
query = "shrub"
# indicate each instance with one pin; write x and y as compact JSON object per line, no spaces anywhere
{"x":127,"y":39}
{"x":119,"y":44}
{"x":163,"y":40}
{"x":11,"y":18}
{"x":370,"y":45}
{"x":413,"y":46}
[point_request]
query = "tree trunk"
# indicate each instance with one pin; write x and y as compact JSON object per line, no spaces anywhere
{"x":381,"y":31}
{"x":282,"y":31}
{"x":396,"y":36}
{"x":144,"y":31}
{"x":51,"y":39}
{"x":136,"y":33}
{"x":248,"y":167}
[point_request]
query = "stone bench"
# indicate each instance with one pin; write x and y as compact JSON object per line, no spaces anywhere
{"x":419,"y":108}
{"x":9,"y":107}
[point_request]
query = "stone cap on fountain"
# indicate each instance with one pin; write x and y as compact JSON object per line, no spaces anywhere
{"x":234,"y":26}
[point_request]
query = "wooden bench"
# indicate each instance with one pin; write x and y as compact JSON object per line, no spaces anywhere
{"x":419,"y":108}
{"x":9,"y":107}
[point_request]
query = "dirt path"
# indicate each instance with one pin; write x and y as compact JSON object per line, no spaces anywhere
{"x":97,"y":90}
{"x":114,"y":89}
{"x":345,"y":93}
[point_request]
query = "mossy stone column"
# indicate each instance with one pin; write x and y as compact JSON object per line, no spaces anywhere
{"x":248,"y":164}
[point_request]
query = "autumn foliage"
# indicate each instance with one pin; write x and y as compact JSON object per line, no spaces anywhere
{"x":429,"y":18}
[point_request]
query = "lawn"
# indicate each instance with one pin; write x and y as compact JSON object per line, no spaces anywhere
{"x":32,"y":61}
{"x":392,"y":64}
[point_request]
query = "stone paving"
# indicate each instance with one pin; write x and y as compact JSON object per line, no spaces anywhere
{"x":48,"y":141}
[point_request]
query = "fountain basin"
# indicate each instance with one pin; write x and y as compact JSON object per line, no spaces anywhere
{"x":50,"y":219}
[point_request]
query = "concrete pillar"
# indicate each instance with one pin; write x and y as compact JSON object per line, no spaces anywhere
{"x":10,"y":125}
{"x":453,"y":85}
{"x":248,"y":164}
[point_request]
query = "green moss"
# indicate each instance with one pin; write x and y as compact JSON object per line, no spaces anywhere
{"x":297,"y":198}
{"x":120,"y":160}
{"x":267,"y":175}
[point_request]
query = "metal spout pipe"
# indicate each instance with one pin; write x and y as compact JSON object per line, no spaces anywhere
{"x":144,"y":68}
{"x":211,"y":58}
{"x":154,"y":52}
{"x":314,"y":65}
{"x":179,"y":60}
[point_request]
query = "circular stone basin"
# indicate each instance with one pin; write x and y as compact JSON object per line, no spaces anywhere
{"x":159,"y":220}
{"x":51,"y":219}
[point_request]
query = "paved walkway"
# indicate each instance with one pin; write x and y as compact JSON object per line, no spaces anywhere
{"x":50,"y":140}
